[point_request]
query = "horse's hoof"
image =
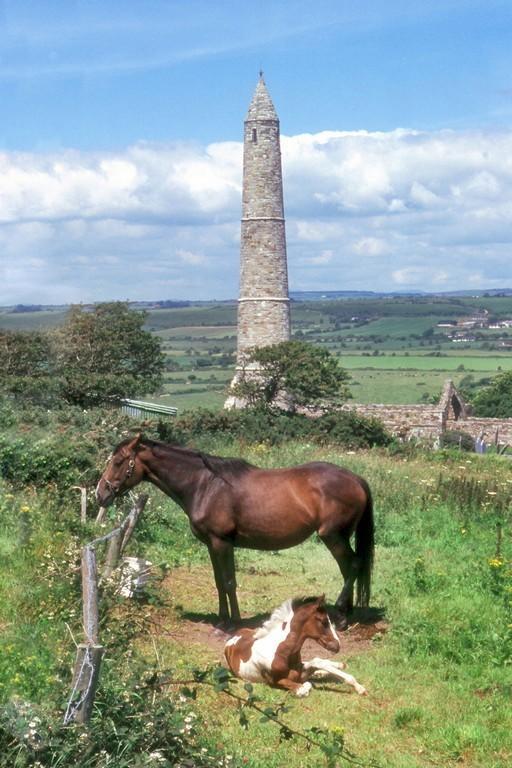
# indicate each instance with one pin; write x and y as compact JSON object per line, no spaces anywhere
{"x":341,"y":624}
{"x":303,"y":690}
{"x":224,"y":625}
{"x":227,"y":625}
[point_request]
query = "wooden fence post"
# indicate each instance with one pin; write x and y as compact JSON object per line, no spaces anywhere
{"x":90,"y":594}
{"x":113,"y":554}
{"x":83,"y":502}
{"x":85,"y":680}
{"x":89,"y":653}
{"x":132,"y":520}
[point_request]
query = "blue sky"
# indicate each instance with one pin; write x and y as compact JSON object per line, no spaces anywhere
{"x":120,"y":144}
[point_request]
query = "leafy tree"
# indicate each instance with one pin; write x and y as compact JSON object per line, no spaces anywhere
{"x":104,"y":354}
{"x":293,"y":374}
{"x":496,"y":399}
{"x":27,"y":366}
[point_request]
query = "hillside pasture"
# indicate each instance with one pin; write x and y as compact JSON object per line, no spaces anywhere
{"x":435,"y":651}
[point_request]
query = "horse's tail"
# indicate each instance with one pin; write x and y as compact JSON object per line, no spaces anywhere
{"x":365,"y":546}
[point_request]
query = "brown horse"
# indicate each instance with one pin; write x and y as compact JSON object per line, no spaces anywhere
{"x":231,"y":503}
{"x":272,"y":653}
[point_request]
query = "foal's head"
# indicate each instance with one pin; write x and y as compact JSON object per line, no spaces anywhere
{"x":124,"y":470}
{"x":311,"y":615}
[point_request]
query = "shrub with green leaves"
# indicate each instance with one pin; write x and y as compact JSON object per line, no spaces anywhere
{"x":456,"y":438}
{"x":274,"y":426}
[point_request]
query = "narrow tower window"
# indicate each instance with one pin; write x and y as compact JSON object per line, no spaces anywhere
{"x":254,"y":136}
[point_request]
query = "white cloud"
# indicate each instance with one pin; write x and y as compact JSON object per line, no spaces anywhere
{"x":188,"y":257}
{"x":431,"y":209}
{"x":371,"y":246}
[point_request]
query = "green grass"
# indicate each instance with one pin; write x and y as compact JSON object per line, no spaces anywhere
{"x":199,"y":332}
{"x":438,"y":679}
{"x":202,"y":315}
{"x":426,"y":363}
{"x":31,"y":321}
{"x":392,"y":326}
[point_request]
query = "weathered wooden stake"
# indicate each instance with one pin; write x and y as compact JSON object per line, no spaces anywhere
{"x":113,"y":554}
{"x":85,"y":679}
{"x":90,"y":594}
{"x":132,"y":520}
{"x":83,"y":502}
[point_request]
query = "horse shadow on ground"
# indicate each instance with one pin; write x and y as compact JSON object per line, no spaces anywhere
{"x":367,"y":617}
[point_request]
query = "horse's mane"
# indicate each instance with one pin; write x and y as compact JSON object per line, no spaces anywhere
{"x":225,"y":468}
{"x":283,"y":614}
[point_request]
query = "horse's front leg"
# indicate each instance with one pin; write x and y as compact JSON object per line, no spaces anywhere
{"x":299,"y":689}
{"x":219,"y":583}
{"x":327,"y":668}
{"x":223,"y":561}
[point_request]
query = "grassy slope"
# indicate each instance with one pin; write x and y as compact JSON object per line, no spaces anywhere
{"x":439,"y":691}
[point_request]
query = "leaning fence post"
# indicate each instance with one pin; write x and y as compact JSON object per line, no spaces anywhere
{"x":113,"y":554}
{"x":132,"y":520}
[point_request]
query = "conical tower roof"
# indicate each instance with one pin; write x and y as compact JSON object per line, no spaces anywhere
{"x":261,"y":106}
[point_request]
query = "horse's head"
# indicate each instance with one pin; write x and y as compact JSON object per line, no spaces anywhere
{"x":124,"y":470}
{"x":318,"y":626}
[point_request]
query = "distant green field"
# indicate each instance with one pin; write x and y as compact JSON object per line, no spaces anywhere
{"x":427,"y":363}
{"x":392,"y":326}
{"x":399,"y":387}
{"x":201,"y":341}
{"x":203,"y":315}
{"x":31,"y":321}
{"x":206,"y":332}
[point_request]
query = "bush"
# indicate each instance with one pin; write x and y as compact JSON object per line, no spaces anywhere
{"x":347,"y":428}
{"x":456,"y":438}
{"x":275,"y":426}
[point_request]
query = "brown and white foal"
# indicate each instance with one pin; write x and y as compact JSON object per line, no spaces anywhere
{"x":271,"y":654}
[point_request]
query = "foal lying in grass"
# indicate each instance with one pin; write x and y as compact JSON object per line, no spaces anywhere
{"x":271,"y":654}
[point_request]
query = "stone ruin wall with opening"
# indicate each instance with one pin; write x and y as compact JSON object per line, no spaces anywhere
{"x":428,"y":422}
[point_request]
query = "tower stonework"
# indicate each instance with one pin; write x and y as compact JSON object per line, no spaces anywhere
{"x":263,"y":305}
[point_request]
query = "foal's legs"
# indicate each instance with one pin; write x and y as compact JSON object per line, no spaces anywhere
{"x":223,"y":562}
{"x":340,"y":549}
{"x":299,"y":689}
{"x":327,"y":668}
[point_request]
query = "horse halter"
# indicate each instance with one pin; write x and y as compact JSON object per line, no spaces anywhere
{"x":129,"y":473}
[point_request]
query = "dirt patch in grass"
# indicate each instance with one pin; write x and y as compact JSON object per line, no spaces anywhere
{"x":192,"y":619}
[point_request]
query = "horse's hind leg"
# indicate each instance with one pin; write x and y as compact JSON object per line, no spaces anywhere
{"x":340,"y":549}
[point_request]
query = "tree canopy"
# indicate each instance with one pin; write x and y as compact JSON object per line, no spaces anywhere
{"x":27,"y":366}
{"x":292,"y":374}
{"x":104,"y":354}
{"x":495,"y":400}
{"x":99,"y":355}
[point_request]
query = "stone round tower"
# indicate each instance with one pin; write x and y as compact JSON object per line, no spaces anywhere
{"x":263,"y":305}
